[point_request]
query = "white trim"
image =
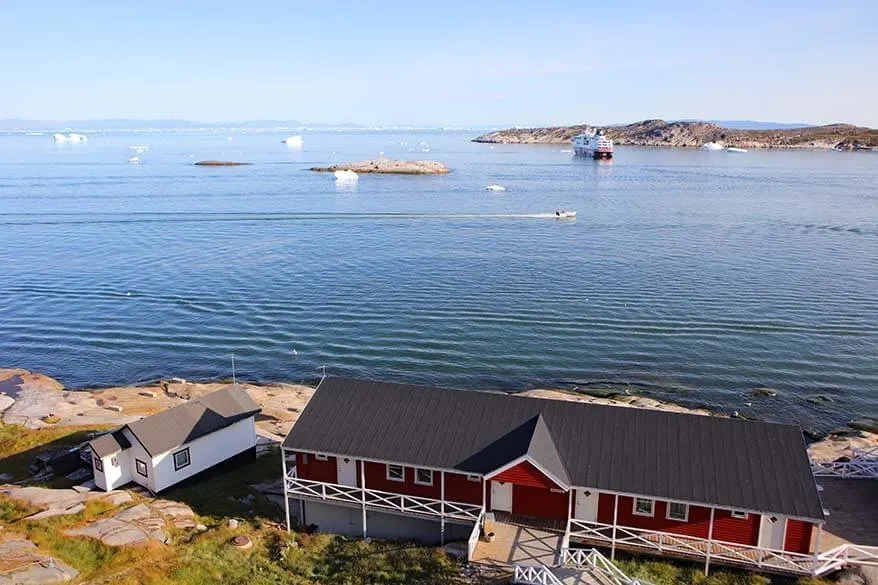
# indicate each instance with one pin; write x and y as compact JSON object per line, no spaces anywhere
{"x":522,"y":459}
{"x":397,"y":479}
{"x":651,"y":513}
{"x":736,"y":514}
{"x":668,"y":516}
{"x":421,"y":469}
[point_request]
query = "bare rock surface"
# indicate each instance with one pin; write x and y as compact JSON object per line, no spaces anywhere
{"x":139,"y":524}
{"x":858,"y":576}
{"x":625,"y":401}
{"x":22,"y":563}
{"x":388,"y":166}
{"x":60,"y":502}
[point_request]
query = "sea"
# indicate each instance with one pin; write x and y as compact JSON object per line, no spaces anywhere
{"x":687,"y":275}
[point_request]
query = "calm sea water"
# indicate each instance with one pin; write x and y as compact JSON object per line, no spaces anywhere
{"x":694,"y":276}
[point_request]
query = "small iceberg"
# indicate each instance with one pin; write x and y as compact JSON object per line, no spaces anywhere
{"x":134,"y":160}
{"x":72,"y":137}
{"x":346,"y":176}
{"x":711,"y":146}
{"x":735,"y":149}
{"x":495,"y":188}
{"x":138,"y":149}
{"x":293,"y":141}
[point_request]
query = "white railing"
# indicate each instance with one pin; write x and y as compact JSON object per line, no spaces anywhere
{"x":474,"y":536}
{"x":862,"y":465}
{"x":297,"y":487}
{"x":725,"y":552}
{"x":539,"y":575}
{"x":599,"y":566}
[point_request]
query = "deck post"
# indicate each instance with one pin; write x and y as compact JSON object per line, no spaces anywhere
{"x":442,"y":506}
{"x":817,"y":547}
{"x":615,"y":522}
{"x":283,"y":461}
{"x":709,"y":542}
{"x":363,"y":492}
{"x":484,"y":494}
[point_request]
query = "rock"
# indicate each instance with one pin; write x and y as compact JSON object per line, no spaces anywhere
{"x":139,"y":524}
{"x":233,"y":524}
{"x":762,"y":391}
{"x":813,"y":434}
{"x":74,"y":509}
{"x":858,"y":576}
{"x":23,"y":563}
{"x":5,"y":402}
{"x":114,"y":407}
{"x":221,"y":163}
{"x":388,"y":166}
{"x":200,"y":527}
{"x":820,"y":399}
{"x":865,"y":423}
{"x":147,"y":393}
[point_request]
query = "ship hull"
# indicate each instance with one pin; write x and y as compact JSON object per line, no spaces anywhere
{"x":592,"y":153}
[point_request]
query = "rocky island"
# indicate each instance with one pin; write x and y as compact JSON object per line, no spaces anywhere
{"x":689,"y":134}
{"x":389,"y":166}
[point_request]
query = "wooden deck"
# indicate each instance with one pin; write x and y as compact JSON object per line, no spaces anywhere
{"x":516,"y":544}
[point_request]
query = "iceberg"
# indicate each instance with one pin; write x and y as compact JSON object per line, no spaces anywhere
{"x":138,"y":149}
{"x":72,"y":137}
{"x":346,"y":176}
{"x":134,"y":160}
{"x":711,"y":146}
{"x":495,"y":188}
{"x":293,"y":141}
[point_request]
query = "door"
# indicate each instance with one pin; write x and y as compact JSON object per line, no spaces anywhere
{"x":772,"y":530}
{"x":347,"y":471}
{"x":586,"y":505}
{"x":501,"y":496}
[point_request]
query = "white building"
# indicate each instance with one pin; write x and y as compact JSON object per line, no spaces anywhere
{"x":163,"y":449}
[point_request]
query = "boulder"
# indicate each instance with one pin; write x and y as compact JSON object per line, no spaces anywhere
{"x":762,"y":392}
{"x":865,"y":423}
{"x":21,"y":562}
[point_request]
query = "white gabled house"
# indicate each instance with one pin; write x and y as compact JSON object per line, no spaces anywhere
{"x":161,"y":450}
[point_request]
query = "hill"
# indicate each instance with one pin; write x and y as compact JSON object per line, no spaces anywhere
{"x":693,"y":134}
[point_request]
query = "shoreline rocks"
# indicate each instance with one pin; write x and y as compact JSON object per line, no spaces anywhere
{"x":693,"y":134}
{"x":389,"y":167}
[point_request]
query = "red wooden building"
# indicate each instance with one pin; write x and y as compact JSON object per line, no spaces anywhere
{"x":393,"y":460}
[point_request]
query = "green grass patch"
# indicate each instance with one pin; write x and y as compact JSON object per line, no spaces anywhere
{"x":14,"y":510}
{"x":661,"y":572}
{"x":19,"y":446}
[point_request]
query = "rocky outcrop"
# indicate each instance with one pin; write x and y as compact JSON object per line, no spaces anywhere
{"x":695,"y":134}
{"x":388,"y":166}
{"x":22,"y":563}
{"x":139,"y":524}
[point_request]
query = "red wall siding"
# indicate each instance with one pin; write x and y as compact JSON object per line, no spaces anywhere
{"x":525,"y":474}
{"x":376,"y":479}
{"x":539,"y":502}
{"x":459,"y":489}
{"x":798,"y":536}
{"x":316,"y":470}
{"x":739,"y":531}
{"x":725,"y":527}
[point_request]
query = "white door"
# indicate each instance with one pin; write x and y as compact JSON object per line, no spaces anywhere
{"x":347,"y":471}
{"x":501,"y":496}
{"x":586,"y":505}
{"x":772,"y":530}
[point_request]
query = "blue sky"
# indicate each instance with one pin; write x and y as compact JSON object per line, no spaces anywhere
{"x":456,"y":63}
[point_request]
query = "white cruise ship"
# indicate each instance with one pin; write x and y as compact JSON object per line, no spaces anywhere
{"x":593,"y":143}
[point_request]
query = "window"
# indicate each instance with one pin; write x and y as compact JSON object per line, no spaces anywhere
{"x":643,"y":507}
{"x":473,"y":478}
{"x":678,"y":511}
{"x":424,"y":476}
{"x":99,"y":465}
{"x":114,"y":462}
{"x":141,"y":467}
{"x":739,"y":514}
{"x":181,"y":459}
{"x":395,"y":472}
{"x":321,"y":457}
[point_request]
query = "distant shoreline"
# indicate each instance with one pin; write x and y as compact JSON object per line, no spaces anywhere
{"x":659,"y":133}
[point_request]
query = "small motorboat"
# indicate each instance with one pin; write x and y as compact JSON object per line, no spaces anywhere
{"x":134,"y":160}
{"x":562,"y":214}
{"x":735,"y":149}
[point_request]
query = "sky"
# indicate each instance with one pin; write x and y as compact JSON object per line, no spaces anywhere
{"x":477,"y":62}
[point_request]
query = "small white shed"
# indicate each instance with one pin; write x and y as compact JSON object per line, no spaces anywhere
{"x":163,"y":449}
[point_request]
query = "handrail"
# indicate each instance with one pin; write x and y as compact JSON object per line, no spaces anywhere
{"x":474,"y":536}
{"x":534,"y":575}
{"x":863,"y":464}
{"x":600,"y":566}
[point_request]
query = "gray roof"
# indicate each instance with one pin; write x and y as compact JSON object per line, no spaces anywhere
{"x":109,"y":444}
{"x":749,"y":465}
{"x":199,"y":416}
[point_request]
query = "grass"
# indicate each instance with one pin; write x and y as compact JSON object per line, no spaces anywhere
{"x":661,"y":572}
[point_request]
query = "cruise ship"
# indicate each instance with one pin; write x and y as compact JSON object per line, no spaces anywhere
{"x":593,"y":143}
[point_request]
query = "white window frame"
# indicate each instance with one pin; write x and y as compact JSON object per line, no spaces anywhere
{"x":650,"y":514}
{"x":177,"y":466}
{"x":401,"y":478}
{"x":473,"y":478}
{"x":421,"y":470}
{"x":685,"y":517}
{"x":321,"y":457}
{"x":739,"y":514}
